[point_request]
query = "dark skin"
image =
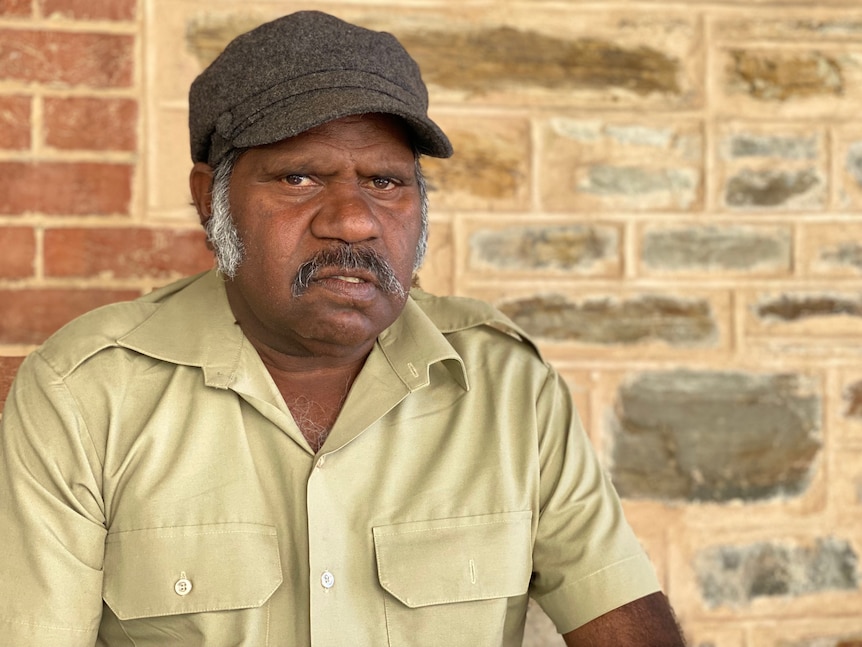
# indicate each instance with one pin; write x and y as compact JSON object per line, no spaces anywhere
{"x":647,"y":622}
{"x":351,"y":180}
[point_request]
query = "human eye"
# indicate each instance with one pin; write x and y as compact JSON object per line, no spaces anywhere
{"x":296,"y":179}
{"x":383,"y":183}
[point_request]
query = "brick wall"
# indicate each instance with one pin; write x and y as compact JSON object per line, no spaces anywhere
{"x":667,"y":195}
{"x":74,"y":230}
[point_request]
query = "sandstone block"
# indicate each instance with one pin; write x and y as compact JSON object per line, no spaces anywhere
{"x":848,"y":166}
{"x":847,"y":482}
{"x":768,"y":167}
{"x":847,"y":406}
{"x":800,"y":81}
{"x":598,"y":165}
{"x":698,"y":635}
{"x":770,"y":575}
{"x":717,"y":436}
{"x":734,"y":249}
{"x":437,"y":274}
{"x":801,"y":632}
{"x":490,"y":168}
{"x":736,"y":575}
{"x":672,"y":320}
{"x":496,"y":247}
{"x":801,"y":314}
{"x":832,"y":249}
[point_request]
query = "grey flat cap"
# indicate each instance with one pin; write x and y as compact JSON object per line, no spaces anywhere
{"x":298,"y":72}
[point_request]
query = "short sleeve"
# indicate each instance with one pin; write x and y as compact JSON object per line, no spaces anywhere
{"x":586,"y":558}
{"x":52,"y":529}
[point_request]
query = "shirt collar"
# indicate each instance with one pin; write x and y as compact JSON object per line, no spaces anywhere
{"x":194,"y":326}
{"x":413,"y":343}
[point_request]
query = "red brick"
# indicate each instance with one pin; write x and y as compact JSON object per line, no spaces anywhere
{"x":30,"y":316}
{"x":83,"y":123}
{"x":8,"y":368}
{"x":15,"y":122}
{"x":16,"y":7}
{"x":19,"y":251}
{"x":89,"y":9}
{"x":65,"y":58}
{"x":58,"y":188}
{"x":125,"y":253}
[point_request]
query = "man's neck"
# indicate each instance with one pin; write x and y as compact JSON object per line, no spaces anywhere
{"x":314,"y":393}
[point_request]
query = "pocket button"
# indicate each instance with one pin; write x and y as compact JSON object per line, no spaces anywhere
{"x":183,"y":586}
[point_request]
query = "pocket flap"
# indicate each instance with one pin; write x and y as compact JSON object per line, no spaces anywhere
{"x":455,"y":560}
{"x":189,"y":569}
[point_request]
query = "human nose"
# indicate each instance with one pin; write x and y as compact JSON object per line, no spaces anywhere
{"x":346,"y":214}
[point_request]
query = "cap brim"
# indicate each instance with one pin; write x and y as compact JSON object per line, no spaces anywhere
{"x":298,"y":113}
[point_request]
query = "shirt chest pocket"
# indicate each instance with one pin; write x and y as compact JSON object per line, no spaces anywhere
{"x":192,"y":583}
{"x":460,"y":581}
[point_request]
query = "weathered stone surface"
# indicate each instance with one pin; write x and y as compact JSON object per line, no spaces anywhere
{"x":565,"y":248}
{"x":638,"y":181}
{"x":605,"y":165}
{"x":853,"y":162}
{"x":675,"y":321}
{"x":507,"y":57}
{"x":731,"y":248}
{"x":830,"y":249}
{"x":775,"y":189}
{"x":779,"y":76}
{"x":703,"y":436}
{"x":845,"y":640}
{"x":848,"y":171}
{"x":808,"y":27}
{"x":853,"y":400}
{"x":737,"y":575}
{"x":847,"y":254}
{"x":745,"y":145}
{"x":490,"y":168}
{"x":437,"y":272}
{"x":791,"y":307}
{"x":207,"y":34}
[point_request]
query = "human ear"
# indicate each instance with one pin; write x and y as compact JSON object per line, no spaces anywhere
{"x":201,"y":185}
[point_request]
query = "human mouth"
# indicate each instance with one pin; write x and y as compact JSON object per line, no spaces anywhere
{"x":364,"y":270}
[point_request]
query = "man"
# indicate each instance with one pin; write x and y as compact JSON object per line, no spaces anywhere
{"x":294,"y":450}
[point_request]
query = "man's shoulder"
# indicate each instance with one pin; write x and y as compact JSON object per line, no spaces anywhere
{"x":101,"y":328}
{"x":455,"y":314}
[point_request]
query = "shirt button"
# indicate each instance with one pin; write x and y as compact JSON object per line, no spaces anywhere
{"x":183,"y":586}
{"x":327,"y":580}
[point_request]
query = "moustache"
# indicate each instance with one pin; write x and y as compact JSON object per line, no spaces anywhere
{"x":347,"y":258}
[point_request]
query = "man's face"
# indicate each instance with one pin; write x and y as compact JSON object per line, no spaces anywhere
{"x":330,"y":222}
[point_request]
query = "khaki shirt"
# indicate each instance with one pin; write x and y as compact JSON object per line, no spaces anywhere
{"x":155,"y":490}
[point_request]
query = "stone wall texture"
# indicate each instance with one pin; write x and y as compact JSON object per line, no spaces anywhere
{"x":667,"y":195}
